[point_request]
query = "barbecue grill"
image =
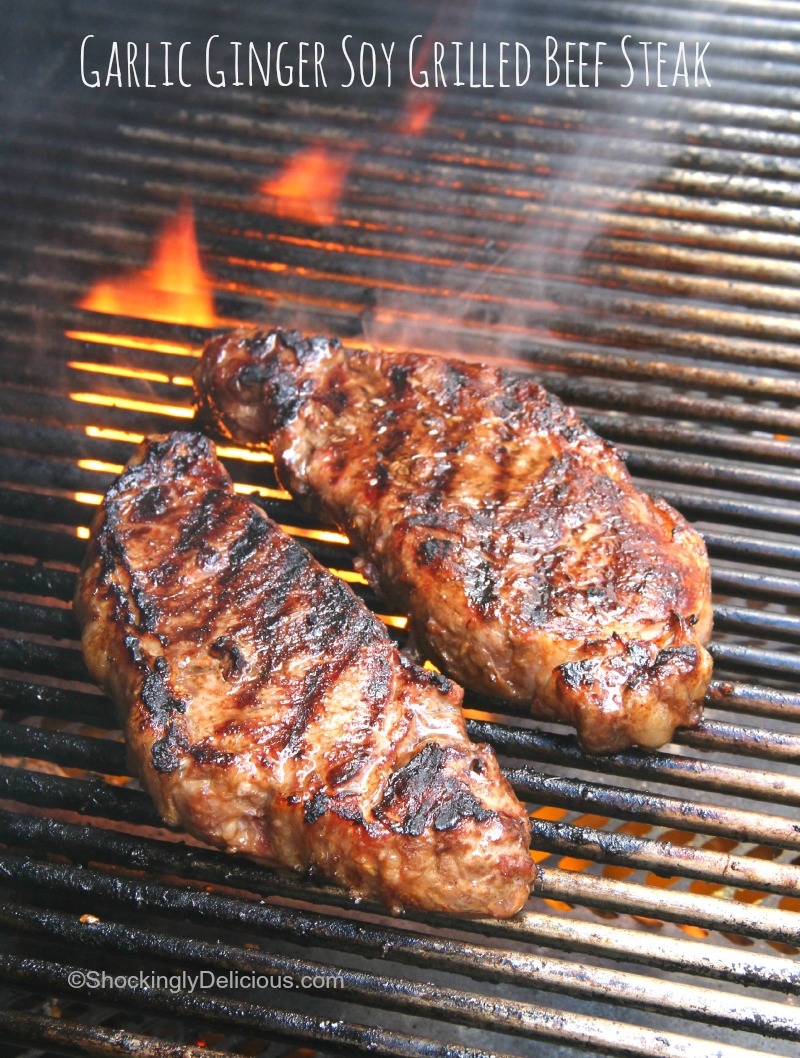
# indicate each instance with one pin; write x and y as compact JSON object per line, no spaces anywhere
{"x":637,"y":251}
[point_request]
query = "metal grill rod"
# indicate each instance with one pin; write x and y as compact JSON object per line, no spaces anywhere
{"x":733,"y":738}
{"x":608,"y":941}
{"x":24,"y":503}
{"x":618,"y":426}
{"x":648,"y":433}
{"x":73,"y":1038}
{"x":733,"y":656}
{"x":758,"y":623}
{"x":515,"y":968}
{"x":672,"y":905}
{"x":664,"y":859}
{"x":39,"y":499}
{"x":50,"y":585}
{"x":20,"y":467}
{"x":657,"y":766}
{"x":102,"y":755}
{"x":733,"y":161}
{"x":691,"y":144}
{"x":756,"y":584}
{"x":431,"y":306}
{"x":544,"y":747}
{"x":658,"y":309}
{"x":65,"y":661}
{"x":92,"y":797}
{"x":684,"y":243}
{"x":345,"y":1036}
{"x":111,"y":847}
{"x":759,"y":701}
{"x":762,"y":624}
{"x":710,"y":1006}
{"x":578,"y":390}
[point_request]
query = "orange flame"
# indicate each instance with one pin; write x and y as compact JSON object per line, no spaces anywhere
{"x":309,"y":187}
{"x":173,"y":288}
{"x":418,"y":111}
{"x":420,"y":104}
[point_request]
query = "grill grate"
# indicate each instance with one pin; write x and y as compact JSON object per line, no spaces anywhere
{"x":638,"y":253}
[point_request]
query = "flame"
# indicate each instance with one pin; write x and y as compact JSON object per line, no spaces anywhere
{"x":99,"y":466}
{"x":261,"y":490}
{"x":108,"y":434}
{"x":173,"y":288}
{"x":129,"y":372}
{"x":309,"y":187}
{"x":128,"y":404}
{"x":420,"y":104}
{"x":418,"y":111}
{"x":348,"y":575}
{"x":325,"y":535}
{"x":129,"y":341}
{"x":695,"y":931}
{"x":232,"y":452}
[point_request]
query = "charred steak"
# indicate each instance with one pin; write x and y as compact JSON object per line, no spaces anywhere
{"x":530,"y":566}
{"x":268,"y":712}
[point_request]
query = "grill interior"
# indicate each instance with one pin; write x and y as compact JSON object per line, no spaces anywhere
{"x":637,"y":251}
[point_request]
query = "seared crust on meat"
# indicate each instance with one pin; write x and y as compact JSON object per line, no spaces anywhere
{"x":531,"y":568}
{"x":267,"y":711}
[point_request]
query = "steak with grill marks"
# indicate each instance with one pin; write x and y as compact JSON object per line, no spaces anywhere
{"x":530,"y":566}
{"x":267,"y":711}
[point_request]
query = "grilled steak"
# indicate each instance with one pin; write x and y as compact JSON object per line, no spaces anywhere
{"x":268,"y":712}
{"x":530,"y":566}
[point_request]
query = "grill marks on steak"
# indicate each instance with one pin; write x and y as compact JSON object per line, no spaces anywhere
{"x":268,"y":712}
{"x":530,"y":566}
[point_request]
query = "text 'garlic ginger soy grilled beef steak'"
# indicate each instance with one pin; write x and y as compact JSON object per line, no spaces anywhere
{"x":530,"y":566}
{"x":268,"y":712}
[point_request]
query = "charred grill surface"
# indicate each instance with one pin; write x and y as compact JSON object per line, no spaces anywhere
{"x":268,"y":712}
{"x":530,"y":566}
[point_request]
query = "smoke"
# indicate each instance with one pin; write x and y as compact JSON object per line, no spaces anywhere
{"x":548,"y":192}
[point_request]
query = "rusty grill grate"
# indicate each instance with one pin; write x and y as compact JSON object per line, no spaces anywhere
{"x":638,"y":252}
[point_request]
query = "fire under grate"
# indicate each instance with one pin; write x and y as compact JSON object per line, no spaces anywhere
{"x":638,"y":253}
